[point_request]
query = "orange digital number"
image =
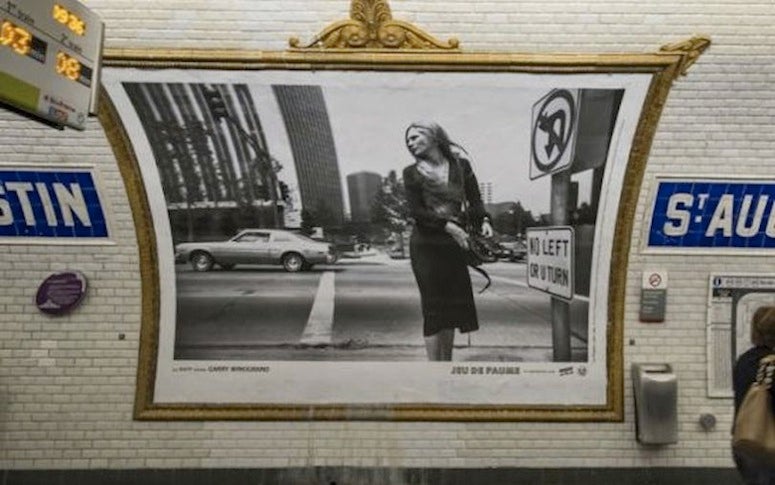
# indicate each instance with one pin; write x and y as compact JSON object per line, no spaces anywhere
{"x":76,"y":25}
{"x":15,"y":37}
{"x":60,"y":14}
{"x":68,"y":66}
{"x":68,"y":18}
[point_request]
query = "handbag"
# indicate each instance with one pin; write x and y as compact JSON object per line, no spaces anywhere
{"x":479,"y":252}
{"x":481,"y":249}
{"x":753,"y":435}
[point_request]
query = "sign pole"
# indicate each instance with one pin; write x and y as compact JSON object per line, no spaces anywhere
{"x":560,"y":308}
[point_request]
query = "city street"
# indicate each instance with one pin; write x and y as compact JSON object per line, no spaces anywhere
{"x":357,"y":309}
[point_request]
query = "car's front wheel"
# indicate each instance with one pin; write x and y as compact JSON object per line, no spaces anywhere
{"x":201,"y":261}
{"x":293,"y":262}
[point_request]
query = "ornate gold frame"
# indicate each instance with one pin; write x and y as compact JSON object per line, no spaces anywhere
{"x":372,"y":40}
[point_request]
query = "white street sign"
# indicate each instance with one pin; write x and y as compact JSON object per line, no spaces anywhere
{"x":550,"y":260}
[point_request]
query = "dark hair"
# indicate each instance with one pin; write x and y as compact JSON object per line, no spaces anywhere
{"x":763,"y":326}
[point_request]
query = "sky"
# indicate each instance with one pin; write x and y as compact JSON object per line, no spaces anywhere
{"x":489,"y":114}
{"x":492,"y":123}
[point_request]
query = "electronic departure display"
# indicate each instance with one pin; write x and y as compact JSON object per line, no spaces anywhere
{"x":50,"y":54}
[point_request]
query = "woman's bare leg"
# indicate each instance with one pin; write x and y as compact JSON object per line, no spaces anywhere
{"x":432,"y":347}
{"x":439,"y":345}
{"x":447,"y":342}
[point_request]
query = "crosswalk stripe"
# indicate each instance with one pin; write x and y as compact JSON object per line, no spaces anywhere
{"x":320,"y":324}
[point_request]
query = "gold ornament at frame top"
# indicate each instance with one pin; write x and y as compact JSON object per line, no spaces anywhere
{"x":371,"y":26}
{"x":690,"y":50}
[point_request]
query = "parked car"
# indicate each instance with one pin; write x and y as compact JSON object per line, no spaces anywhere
{"x":355,"y":250}
{"x":294,"y":251}
{"x":347,"y":251}
{"x":513,"y":250}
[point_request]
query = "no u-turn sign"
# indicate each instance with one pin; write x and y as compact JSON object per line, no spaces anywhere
{"x":553,"y":133}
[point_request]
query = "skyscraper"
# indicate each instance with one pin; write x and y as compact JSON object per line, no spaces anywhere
{"x":362,"y":187}
{"x":314,"y":154}
{"x":210,"y":163}
{"x":485,"y":189}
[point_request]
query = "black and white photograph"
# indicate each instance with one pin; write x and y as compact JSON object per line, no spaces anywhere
{"x":397,"y":234}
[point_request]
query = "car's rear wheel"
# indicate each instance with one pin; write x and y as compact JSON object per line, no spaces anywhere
{"x":201,"y":261}
{"x":227,"y":267}
{"x":293,"y":262}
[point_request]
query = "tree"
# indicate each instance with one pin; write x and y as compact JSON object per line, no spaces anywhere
{"x":389,"y":209}
{"x":584,"y":214}
{"x":308,"y":221}
{"x":324,"y":214}
{"x":319,"y":215}
{"x":511,"y":219}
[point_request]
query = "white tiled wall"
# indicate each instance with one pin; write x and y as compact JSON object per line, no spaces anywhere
{"x":67,"y":384}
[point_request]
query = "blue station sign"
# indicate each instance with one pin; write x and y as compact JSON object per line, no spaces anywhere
{"x":713,"y":214}
{"x":51,"y":204}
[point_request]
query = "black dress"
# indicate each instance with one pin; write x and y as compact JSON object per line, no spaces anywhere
{"x":438,"y":261}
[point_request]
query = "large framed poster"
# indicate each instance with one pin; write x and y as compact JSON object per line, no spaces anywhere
{"x":301,"y":225}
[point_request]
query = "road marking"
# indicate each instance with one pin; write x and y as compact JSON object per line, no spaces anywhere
{"x":320,"y":324}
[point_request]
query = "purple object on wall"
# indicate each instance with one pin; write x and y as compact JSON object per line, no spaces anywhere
{"x":61,"y":292}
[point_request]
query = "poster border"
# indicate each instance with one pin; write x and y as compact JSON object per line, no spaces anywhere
{"x":663,"y":66}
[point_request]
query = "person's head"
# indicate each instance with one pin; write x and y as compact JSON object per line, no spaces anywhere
{"x":423,"y":136}
{"x":763,"y":326}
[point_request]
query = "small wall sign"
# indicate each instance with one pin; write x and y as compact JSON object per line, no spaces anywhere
{"x":653,"y":296}
{"x":61,"y":292}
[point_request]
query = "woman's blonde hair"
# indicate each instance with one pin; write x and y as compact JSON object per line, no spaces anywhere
{"x":439,"y":137}
{"x":763,"y":326}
